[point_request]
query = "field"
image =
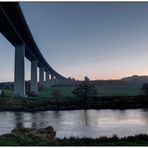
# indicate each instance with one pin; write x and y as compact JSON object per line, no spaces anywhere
{"x":61,"y":98}
{"x":118,"y":90}
{"x":102,"y":90}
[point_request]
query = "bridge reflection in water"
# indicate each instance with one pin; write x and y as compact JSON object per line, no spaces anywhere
{"x":90,"y":123}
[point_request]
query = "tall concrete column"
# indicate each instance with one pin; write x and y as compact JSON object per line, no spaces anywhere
{"x":59,"y":81}
{"x":41,"y":76}
{"x":52,"y":80}
{"x":64,"y":81}
{"x":47,"y":80}
{"x":34,"y":83}
{"x":19,"y":73}
{"x":56,"y":80}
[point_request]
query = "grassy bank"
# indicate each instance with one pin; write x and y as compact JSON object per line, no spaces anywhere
{"x":61,"y":98}
{"x":44,"y":137}
{"x":103,"y":90}
{"x":43,"y":104}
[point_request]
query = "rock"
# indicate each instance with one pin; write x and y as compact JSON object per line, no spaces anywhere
{"x":47,"y":132}
{"x":42,"y":133}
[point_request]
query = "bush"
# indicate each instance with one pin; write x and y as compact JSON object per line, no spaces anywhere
{"x":31,"y":136}
{"x":40,"y":87}
{"x":56,"y":94}
{"x":84,"y":91}
{"x":144,"y":89}
{"x":32,"y":94}
{"x":2,"y":93}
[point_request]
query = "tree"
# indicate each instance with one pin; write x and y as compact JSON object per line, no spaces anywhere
{"x":2,"y":93}
{"x":145,"y":88}
{"x":73,"y":79}
{"x":69,"y":78}
{"x":86,"y":78}
{"x":84,"y":91}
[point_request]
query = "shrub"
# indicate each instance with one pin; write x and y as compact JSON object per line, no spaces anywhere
{"x":2,"y":93}
{"x":144,"y":89}
{"x":56,"y":94}
{"x":32,"y":94}
{"x":84,"y":91}
{"x":31,"y":136}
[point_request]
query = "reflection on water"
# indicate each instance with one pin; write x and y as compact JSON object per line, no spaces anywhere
{"x":82,"y":123}
{"x":18,"y":117}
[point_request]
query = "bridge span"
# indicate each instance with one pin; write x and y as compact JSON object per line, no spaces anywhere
{"x":15,"y":29}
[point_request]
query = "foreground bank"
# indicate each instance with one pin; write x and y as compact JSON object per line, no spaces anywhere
{"x":46,"y":137}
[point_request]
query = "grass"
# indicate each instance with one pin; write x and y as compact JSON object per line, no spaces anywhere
{"x":8,"y":92}
{"x":61,"y":98}
{"x":138,"y":140}
{"x":118,"y":90}
{"x":36,"y":139}
{"x":44,"y":104}
{"x":103,"y":90}
{"x":65,"y":91}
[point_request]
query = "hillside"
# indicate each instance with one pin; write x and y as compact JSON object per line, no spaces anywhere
{"x":135,"y":79}
{"x":131,"y":80}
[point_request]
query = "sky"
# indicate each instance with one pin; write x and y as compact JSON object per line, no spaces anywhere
{"x":98,"y":40}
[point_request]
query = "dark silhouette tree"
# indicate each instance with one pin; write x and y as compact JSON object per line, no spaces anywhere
{"x":84,"y":91}
{"x":69,"y":78}
{"x":86,"y":78}
{"x":2,"y":93}
{"x":144,"y":89}
{"x":73,"y":79}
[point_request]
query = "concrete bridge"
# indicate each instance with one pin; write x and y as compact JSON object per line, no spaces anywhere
{"x":15,"y":29}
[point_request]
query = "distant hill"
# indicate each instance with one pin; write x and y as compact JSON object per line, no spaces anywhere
{"x":135,"y":79}
{"x":6,"y":85}
{"x":131,"y":80}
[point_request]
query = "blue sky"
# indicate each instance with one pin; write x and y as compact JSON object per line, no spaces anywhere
{"x":100,"y":40}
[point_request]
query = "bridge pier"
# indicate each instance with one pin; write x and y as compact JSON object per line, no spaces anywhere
{"x":41,"y":77}
{"x":47,"y":83}
{"x":19,"y":73}
{"x":59,"y":80}
{"x":34,"y":83}
{"x":62,"y":81}
{"x":56,"y":80}
{"x":52,"y":80}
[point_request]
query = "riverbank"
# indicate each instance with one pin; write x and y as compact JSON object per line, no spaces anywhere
{"x":46,"y":137}
{"x":44,"y":104}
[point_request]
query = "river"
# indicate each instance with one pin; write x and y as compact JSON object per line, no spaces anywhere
{"x":89,"y":123}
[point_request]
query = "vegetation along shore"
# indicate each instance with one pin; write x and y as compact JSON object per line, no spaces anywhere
{"x":46,"y":137}
{"x":83,"y":96}
{"x":42,"y":104}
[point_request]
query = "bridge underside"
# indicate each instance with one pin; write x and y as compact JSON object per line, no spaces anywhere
{"x":14,"y":27}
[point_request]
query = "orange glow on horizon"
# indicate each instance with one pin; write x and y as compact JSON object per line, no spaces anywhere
{"x":115,"y":76}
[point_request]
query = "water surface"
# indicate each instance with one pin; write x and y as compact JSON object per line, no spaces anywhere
{"x":89,"y":123}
